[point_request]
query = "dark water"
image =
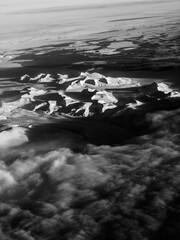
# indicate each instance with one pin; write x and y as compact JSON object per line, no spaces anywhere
{"x":90,"y":122}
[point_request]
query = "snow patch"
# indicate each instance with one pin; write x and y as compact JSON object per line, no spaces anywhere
{"x":46,"y":79}
{"x":134,"y":105}
{"x":8,"y":107}
{"x":52,"y":106}
{"x":40,"y":106}
{"x":41,"y":78}
{"x":107,"y":106}
{"x":85,"y":107}
{"x":162,"y":87}
{"x":175,"y":94}
{"x":32,"y":93}
{"x":104,"y":97}
{"x":25,"y":78}
{"x":98,"y":81}
{"x":69,"y":100}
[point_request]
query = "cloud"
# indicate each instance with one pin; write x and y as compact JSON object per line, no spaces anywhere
{"x":108,"y":192}
{"x":13,"y":137}
{"x":6,"y":180}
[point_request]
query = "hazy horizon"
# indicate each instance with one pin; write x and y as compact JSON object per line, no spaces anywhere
{"x":23,"y":23}
{"x":8,"y":5}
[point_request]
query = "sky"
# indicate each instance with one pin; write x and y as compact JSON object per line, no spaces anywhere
{"x":29,"y":4}
{"x":25,"y":21}
{"x":52,"y":2}
{"x":16,"y":5}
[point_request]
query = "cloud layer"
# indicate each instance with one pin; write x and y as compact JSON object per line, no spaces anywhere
{"x":121,"y":192}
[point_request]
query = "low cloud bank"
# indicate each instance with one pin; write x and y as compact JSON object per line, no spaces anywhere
{"x":12,"y":138}
{"x":121,"y":192}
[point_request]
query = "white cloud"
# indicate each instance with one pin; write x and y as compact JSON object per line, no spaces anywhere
{"x":6,"y":180}
{"x":12,"y":138}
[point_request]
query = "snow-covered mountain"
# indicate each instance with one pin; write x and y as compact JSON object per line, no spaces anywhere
{"x":87,"y":95}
